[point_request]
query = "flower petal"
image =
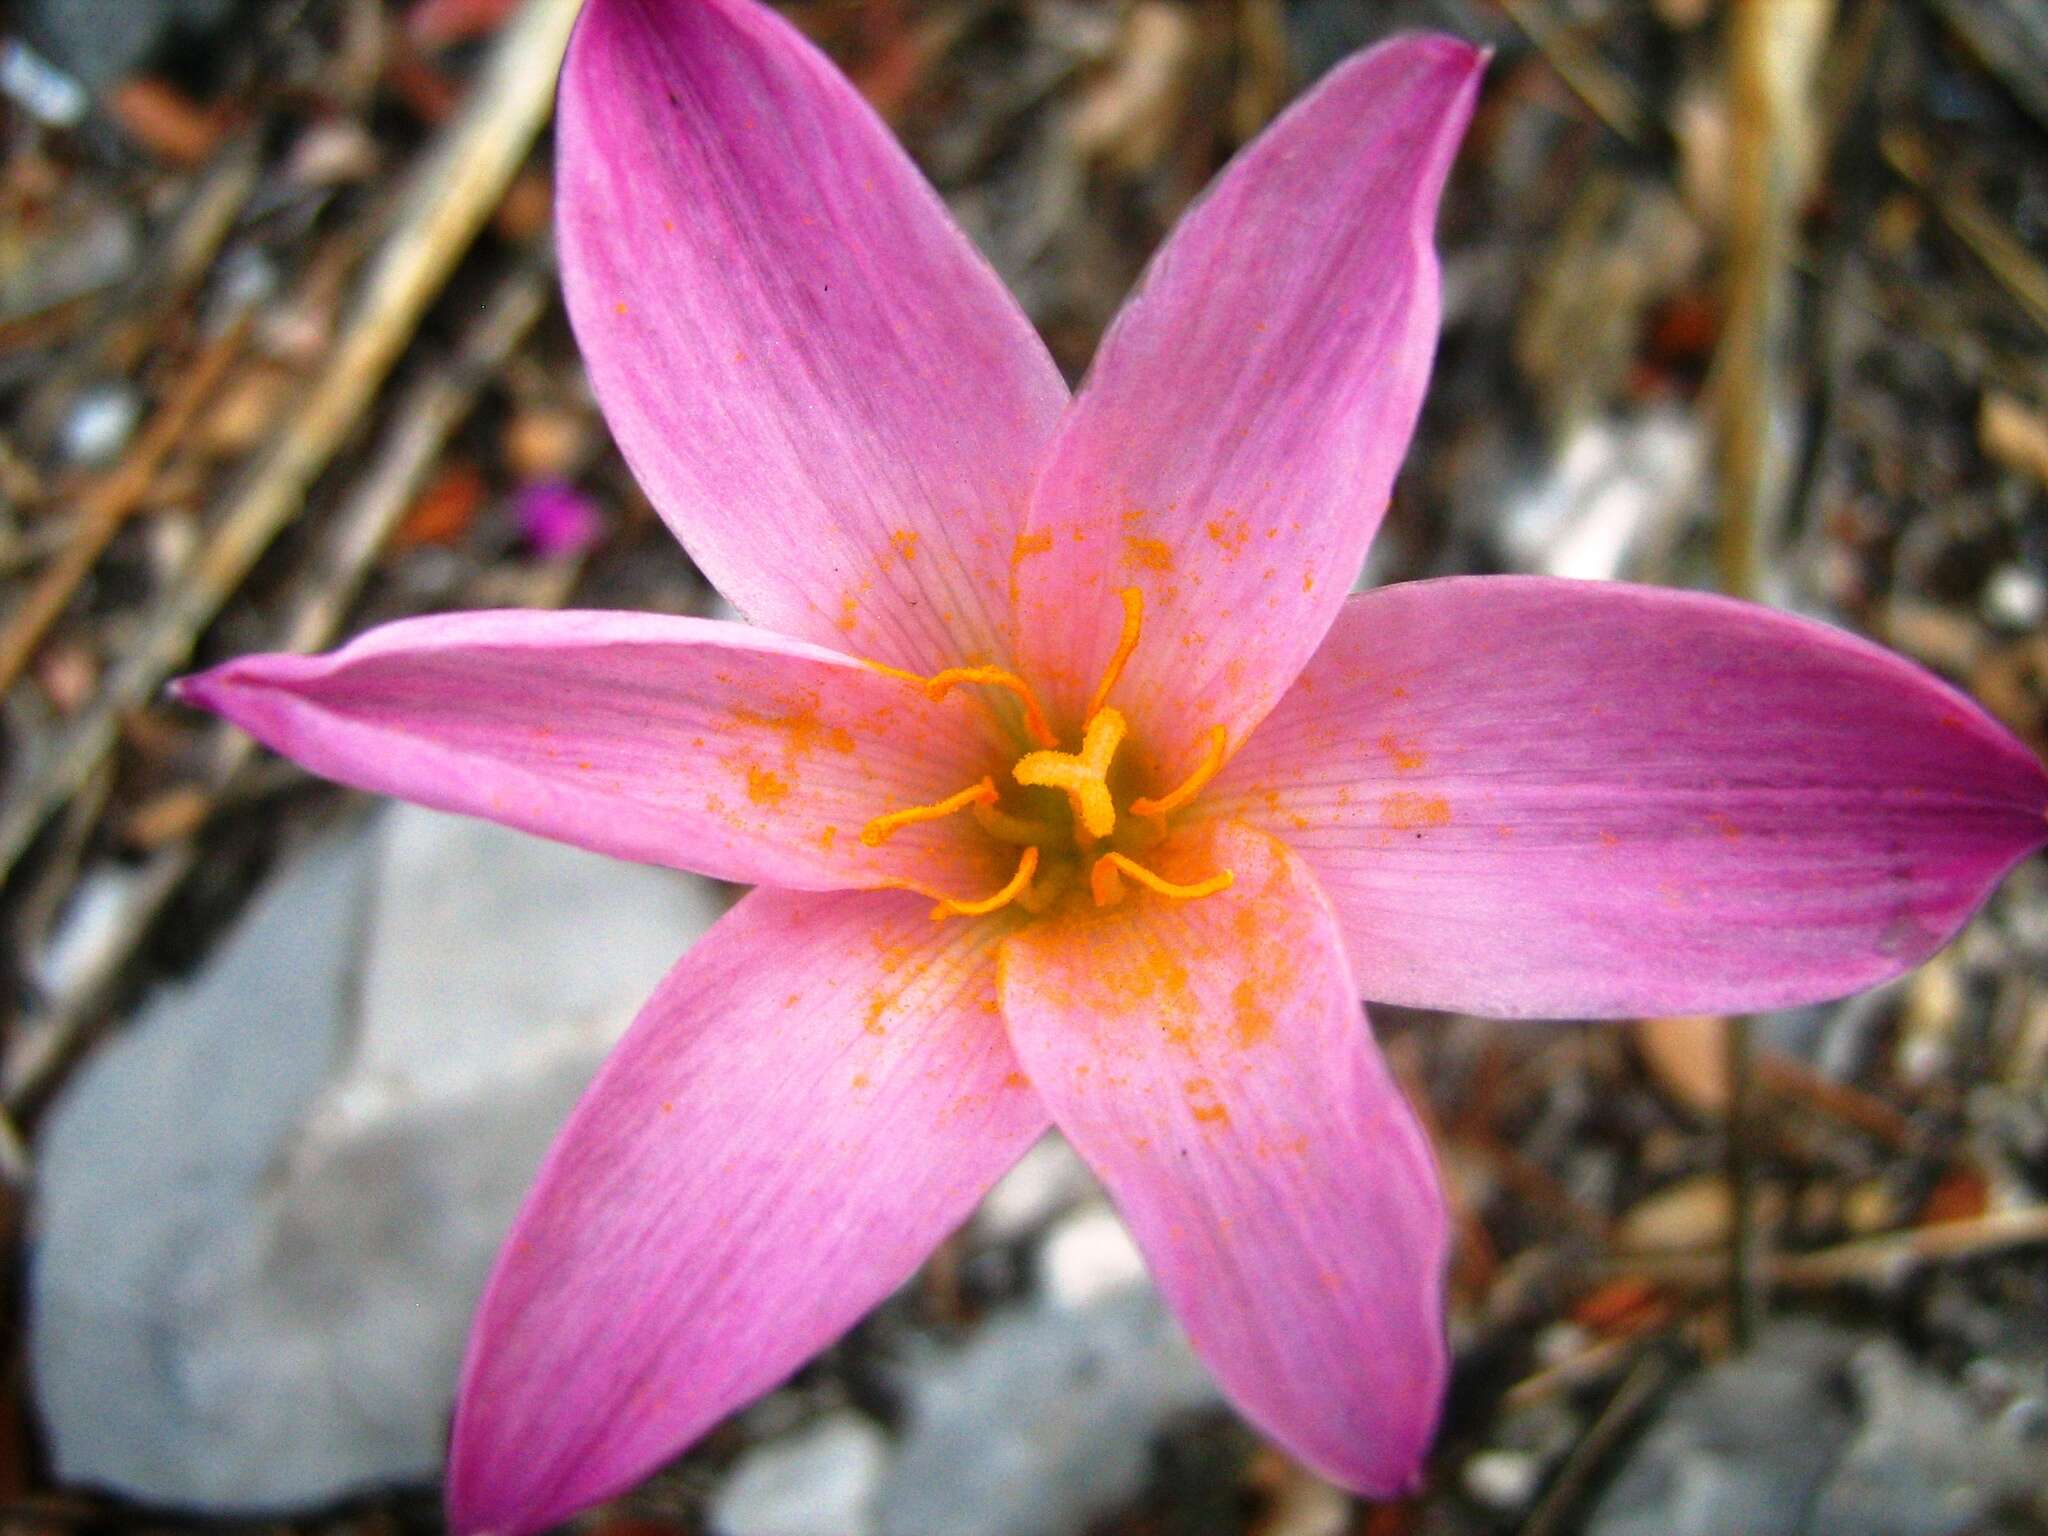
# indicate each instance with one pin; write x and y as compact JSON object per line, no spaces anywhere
{"x":1210,"y":1062}
{"x":1233,"y":448}
{"x":1541,"y":798}
{"x":827,"y":393}
{"x":704,"y":745}
{"x":815,"y":1096}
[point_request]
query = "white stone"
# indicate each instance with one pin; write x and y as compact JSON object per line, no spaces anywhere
{"x":266,"y":1212}
{"x":101,"y":423}
{"x":1617,"y":493}
{"x":819,"y":1481}
{"x":1043,"y":1423}
{"x":1503,"y":1480}
{"x":2016,"y":597}
{"x":1088,"y":1256}
{"x":1047,"y":1180}
{"x":92,"y":922}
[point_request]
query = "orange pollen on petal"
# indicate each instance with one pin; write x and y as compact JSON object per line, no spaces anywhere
{"x":1105,"y":881}
{"x":1017,"y":885}
{"x":882,"y":828}
{"x":1127,"y":642}
{"x":1210,"y":765}
{"x":939,"y":684}
{"x":1084,"y":775}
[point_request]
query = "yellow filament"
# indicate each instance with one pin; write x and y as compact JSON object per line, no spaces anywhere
{"x":1191,"y":786}
{"x":1083,"y":775}
{"x":1005,"y":828}
{"x":1038,"y":897}
{"x":1104,"y":881}
{"x":939,"y":684}
{"x":1127,"y":642}
{"x":1027,"y":866}
{"x":888,"y":671}
{"x":882,"y":828}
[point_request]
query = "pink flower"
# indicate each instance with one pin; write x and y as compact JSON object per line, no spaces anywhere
{"x":1081,"y":681}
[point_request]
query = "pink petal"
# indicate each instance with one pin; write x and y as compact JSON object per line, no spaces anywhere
{"x":1210,"y":1062}
{"x":1234,"y":446}
{"x":815,"y":1096}
{"x":1547,"y":798}
{"x":707,"y":746}
{"x":827,"y":393}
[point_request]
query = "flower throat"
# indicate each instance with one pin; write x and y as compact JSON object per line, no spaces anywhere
{"x":1057,"y":841}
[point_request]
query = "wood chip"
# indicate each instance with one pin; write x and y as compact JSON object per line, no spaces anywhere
{"x":2014,"y":433}
{"x":1687,"y":1057}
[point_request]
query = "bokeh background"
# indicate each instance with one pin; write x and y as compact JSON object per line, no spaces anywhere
{"x":281,"y":356}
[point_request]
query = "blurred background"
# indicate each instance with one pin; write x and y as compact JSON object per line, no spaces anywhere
{"x":281,"y":356}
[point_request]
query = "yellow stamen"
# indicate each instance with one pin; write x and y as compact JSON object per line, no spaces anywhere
{"x":882,"y":828}
{"x":1108,"y":889}
{"x":1006,"y":828}
{"x":896,"y":672}
{"x":1083,"y":775}
{"x":1127,"y":642}
{"x":1039,"y":896}
{"x":1191,"y":786}
{"x":939,"y":684}
{"x":1027,"y":866}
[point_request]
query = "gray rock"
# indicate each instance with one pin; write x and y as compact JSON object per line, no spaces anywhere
{"x":101,"y":40}
{"x":145,"y":1168}
{"x":1922,"y":1463}
{"x":1741,"y":1450}
{"x":1820,"y":1433}
{"x":819,"y":1481}
{"x":264,"y":1214}
{"x":1043,"y":1423}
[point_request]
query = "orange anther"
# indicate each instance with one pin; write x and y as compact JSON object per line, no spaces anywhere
{"x":878,"y":831}
{"x":1027,"y":866}
{"x":1104,"y":881}
{"x":1084,"y":775}
{"x":1127,"y":642}
{"x":939,"y":684}
{"x":1210,"y":765}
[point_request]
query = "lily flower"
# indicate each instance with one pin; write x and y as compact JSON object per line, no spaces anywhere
{"x":1077,"y":788}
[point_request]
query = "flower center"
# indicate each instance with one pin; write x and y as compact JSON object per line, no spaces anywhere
{"x":1057,"y":840}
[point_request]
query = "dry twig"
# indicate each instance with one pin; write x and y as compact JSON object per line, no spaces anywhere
{"x":2009,"y":262}
{"x":463,"y":177}
{"x":109,"y":504}
{"x":1582,"y":70}
{"x":426,"y":417}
